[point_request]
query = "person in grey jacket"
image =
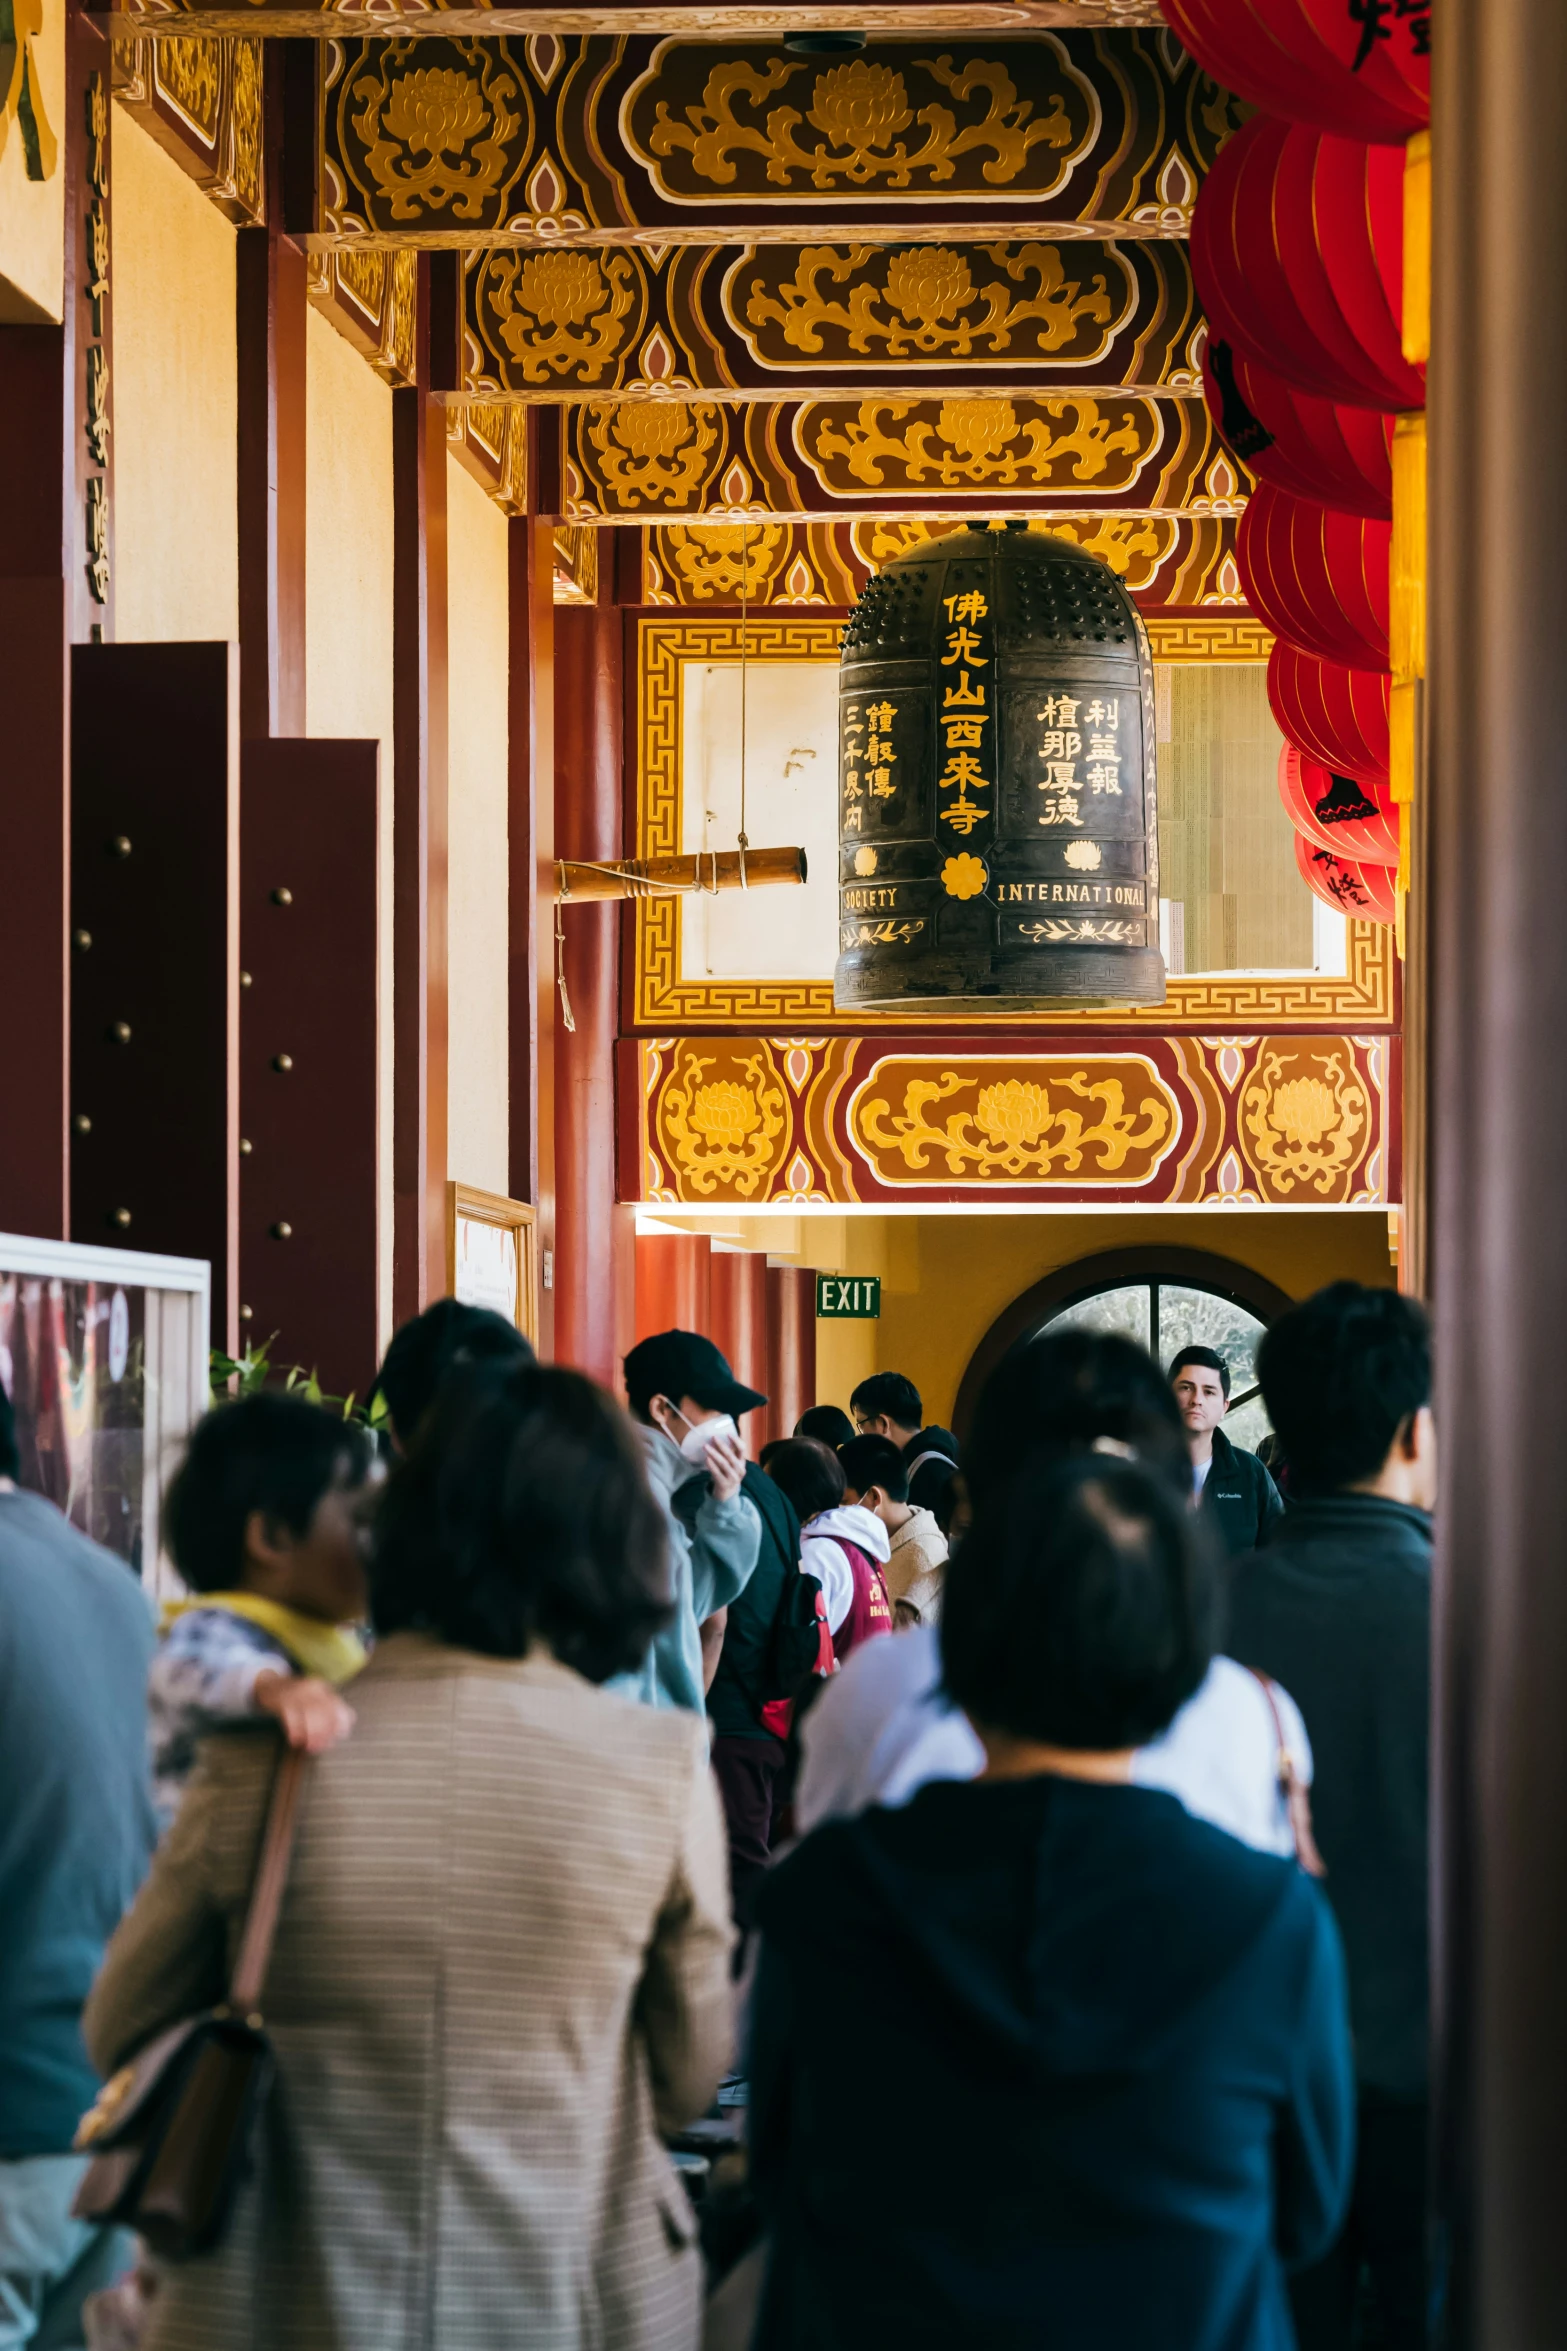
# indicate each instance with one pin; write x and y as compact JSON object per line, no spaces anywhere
{"x":76,"y":1833}
{"x":686,"y":1401}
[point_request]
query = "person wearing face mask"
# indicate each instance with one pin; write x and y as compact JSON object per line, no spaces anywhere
{"x":686,"y":1402}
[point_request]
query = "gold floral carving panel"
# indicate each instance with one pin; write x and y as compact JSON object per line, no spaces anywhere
{"x":889,"y":458}
{"x":627,"y":138}
{"x":200,"y":98}
{"x":788,"y":319}
{"x":1111,"y":313}
{"x":425,"y":131}
{"x":1163,"y":559}
{"x":1364,"y":997}
{"x":563,"y":316}
{"x":1124,"y":128}
{"x":1161,"y":451}
{"x":1204,"y":1120}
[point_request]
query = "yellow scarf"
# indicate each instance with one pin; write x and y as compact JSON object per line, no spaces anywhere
{"x":330,"y":1650}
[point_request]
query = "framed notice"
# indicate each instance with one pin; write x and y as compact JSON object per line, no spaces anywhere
{"x":492,"y":1255}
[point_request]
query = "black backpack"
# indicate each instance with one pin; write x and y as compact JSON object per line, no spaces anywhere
{"x":800,"y":1644}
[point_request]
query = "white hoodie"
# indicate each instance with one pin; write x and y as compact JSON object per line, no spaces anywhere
{"x":821,"y":1557}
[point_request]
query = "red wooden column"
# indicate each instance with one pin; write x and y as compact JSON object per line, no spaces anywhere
{"x":270,"y":331}
{"x":1497,"y":721}
{"x":589,"y":749}
{"x":531,"y":849}
{"x":737,"y":1323}
{"x":419,"y":830}
{"x":674,"y":1291}
{"x":791,"y":1350}
{"x":53,"y":594}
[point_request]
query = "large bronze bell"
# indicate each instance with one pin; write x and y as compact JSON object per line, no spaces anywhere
{"x":997,"y":823}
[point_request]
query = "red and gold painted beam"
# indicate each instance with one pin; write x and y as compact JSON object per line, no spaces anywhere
{"x":1266,"y":1120}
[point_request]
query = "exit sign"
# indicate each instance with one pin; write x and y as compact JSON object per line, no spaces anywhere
{"x":846,"y":1298}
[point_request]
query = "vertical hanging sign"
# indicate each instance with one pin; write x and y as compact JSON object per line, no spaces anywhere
{"x":96,"y":342}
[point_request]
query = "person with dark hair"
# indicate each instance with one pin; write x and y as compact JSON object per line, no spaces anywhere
{"x":502,"y":1964}
{"x":844,"y":1546}
{"x":887,"y":1725}
{"x":888,"y":1405}
{"x":1230,"y":1483}
{"x":1339,"y":1606}
{"x":76,"y":1830}
{"x":1111,"y":2043}
{"x":687,"y":1404}
{"x":828,"y":1422}
{"x":261,"y":1523}
{"x":876,"y":1476}
{"x":447,"y":1336}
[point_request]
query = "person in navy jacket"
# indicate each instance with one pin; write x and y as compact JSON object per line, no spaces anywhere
{"x":1098,"y":2089}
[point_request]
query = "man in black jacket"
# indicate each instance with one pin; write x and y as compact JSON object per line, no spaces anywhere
{"x":1338,"y":1609}
{"x":747,"y":1759}
{"x":889,"y":1405}
{"x":1233,"y":1486}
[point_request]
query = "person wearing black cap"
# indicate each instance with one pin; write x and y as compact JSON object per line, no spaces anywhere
{"x":686,"y":1401}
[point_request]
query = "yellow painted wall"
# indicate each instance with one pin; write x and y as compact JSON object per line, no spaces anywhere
{"x":945,"y":1279}
{"x":176,"y":529}
{"x":477,"y":1151}
{"x":32,"y":212}
{"x":348,"y":630}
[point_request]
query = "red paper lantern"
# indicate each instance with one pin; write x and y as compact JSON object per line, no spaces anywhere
{"x":1337,"y":715}
{"x":1298,"y":252}
{"x":1317,"y":577}
{"x":1312,"y":61}
{"x":1385,"y":46}
{"x":1309,"y":447}
{"x":1350,"y":884}
{"x":1338,"y":812}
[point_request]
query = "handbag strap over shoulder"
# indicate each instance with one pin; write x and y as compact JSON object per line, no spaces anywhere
{"x":266,"y":1891}
{"x":1292,"y":1788}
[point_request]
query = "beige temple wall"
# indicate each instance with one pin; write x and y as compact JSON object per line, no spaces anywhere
{"x":175,"y":401}
{"x":477,"y":951}
{"x":348,"y":633}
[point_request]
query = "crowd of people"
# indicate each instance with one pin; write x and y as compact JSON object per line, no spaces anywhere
{"x":994,"y":1873}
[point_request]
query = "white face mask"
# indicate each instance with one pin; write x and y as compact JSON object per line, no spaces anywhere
{"x":702,"y":1433}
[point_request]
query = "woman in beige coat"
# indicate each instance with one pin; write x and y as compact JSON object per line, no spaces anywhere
{"x":501,"y":1966}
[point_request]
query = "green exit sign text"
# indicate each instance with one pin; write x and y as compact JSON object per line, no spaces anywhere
{"x":848,"y":1298}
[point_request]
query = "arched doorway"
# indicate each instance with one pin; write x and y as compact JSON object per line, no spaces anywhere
{"x":1165,"y":1299}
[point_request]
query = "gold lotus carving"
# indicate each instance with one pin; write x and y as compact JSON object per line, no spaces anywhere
{"x":562,"y":311}
{"x":981,"y":441}
{"x":859,"y":113}
{"x":652,"y":452}
{"x":726,"y":558}
{"x":927,"y":299}
{"x":1021,"y":1127}
{"x":725,"y":1129}
{"x":438,"y":135}
{"x":1133,"y":545}
{"x":1306,"y":1128}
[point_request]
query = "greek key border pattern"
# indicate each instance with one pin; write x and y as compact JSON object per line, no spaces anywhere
{"x":1364,"y":995}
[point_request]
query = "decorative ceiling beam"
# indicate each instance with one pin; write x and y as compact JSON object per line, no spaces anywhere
{"x":285,"y":19}
{"x":625,"y":140}
{"x":737,"y":322}
{"x":629,"y":461}
{"x":1164,"y":562}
